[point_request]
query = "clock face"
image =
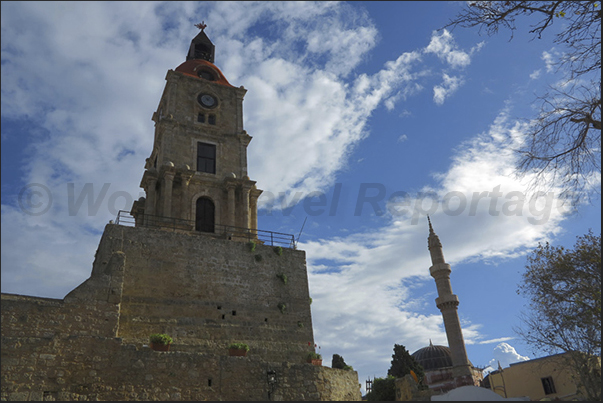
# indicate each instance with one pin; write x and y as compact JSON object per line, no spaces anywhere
{"x":208,"y":101}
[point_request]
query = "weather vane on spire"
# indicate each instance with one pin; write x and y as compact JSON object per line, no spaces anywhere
{"x":201,"y":26}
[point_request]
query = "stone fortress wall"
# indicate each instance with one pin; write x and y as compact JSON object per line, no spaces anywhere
{"x":207,"y":293}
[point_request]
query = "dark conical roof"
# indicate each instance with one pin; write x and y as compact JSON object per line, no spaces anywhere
{"x":433,"y":357}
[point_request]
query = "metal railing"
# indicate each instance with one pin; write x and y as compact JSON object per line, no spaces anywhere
{"x":225,"y":231}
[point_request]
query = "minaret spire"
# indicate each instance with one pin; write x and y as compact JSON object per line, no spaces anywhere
{"x":447,"y":303}
{"x":434,"y":245}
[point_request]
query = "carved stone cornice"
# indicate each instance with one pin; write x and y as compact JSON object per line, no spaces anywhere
{"x":149,"y":176}
{"x":244,"y":138}
{"x":255,"y":192}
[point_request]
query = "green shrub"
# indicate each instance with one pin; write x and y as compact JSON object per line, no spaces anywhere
{"x":239,"y":346}
{"x":384,"y":389}
{"x":278,"y":250}
{"x":314,"y":356}
{"x":282,"y":307}
{"x":300,"y":324}
{"x":160,"y":338}
{"x":283,"y":277}
{"x":251,"y":246}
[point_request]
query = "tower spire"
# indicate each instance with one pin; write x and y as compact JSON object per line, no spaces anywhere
{"x":434,"y":245}
{"x":201,"y":47}
{"x":447,"y":303}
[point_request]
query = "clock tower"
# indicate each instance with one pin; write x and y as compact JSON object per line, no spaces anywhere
{"x":196,"y":176}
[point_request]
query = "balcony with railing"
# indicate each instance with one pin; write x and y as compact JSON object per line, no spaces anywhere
{"x":216,"y":230}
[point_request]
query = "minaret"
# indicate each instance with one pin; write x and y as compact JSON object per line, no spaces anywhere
{"x":447,"y":303}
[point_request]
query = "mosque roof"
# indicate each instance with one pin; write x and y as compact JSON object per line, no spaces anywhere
{"x":433,"y":357}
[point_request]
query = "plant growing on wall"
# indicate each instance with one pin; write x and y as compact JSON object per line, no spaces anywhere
{"x":251,"y":246}
{"x":238,"y":349}
{"x":281,"y":306}
{"x":238,"y":346}
{"x":160,"y":342}
{"x":278,"y":250}
{"x":314,"y":356}
{"x":160,"y":338}
{"x":283,"y":277}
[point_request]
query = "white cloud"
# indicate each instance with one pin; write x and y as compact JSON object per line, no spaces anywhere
{"x":447,"y":88}
{"x":402,"y":138}
{"x":535,"y":74}
{"x":497,"y":340}
{"x":444,"y":47}
{"x":550,"y":59}
{"x":405,"y":113}
{"x":506,"y":355}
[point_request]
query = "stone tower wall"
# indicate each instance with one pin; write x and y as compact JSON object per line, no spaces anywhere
{"x":207,"y":292}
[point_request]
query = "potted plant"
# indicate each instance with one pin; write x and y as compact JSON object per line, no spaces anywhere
{"x":160,"y":342}
{"x":314,"y":358}
{"x":238,"y":350}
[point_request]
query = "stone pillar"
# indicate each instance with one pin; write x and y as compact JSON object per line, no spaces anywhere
{"x":150,"y":185}
{"x":240,"y":94}
{"x":185,"y":205}
{"x":244,"y":140}
{"x":245,"y":205}
{"x":168,"y":182}
{"x":255,"y":193}
{"x":230,"y":188}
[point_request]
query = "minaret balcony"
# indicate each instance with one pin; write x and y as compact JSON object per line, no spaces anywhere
{"x":440,"y":269}
{"x":447,"y":301}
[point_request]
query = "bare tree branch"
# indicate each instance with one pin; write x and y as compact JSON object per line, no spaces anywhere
{"x":563,"y":145}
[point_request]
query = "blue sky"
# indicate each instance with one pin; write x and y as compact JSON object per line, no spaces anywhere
{"x":365,"y":117}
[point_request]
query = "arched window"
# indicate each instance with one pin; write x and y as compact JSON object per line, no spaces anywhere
{"x":204,"y":219}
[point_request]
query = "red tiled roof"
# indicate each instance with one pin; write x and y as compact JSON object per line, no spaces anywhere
{"x":191,"y":68}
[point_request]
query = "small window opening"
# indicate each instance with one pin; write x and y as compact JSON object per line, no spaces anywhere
{"x":548,"y":385}
{"x":223,"y":317}
{"x":209,"y":382}
{"x":202,"y":51}
{"x":219,"y":306}
{"x":201,"y":118}
{"x":266,"y":320}
{"x":206,"y":75}
{"x":211,"y":119}
{"x":206,"y":158}
{"x":234,"y":313}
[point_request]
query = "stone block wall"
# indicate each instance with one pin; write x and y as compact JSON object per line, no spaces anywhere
{"x":204,"y":292}
{"x":96,"y":368}
{"x":207,"y":293}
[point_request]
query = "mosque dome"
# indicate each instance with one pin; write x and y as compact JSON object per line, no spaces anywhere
{"x":433,"y":357}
